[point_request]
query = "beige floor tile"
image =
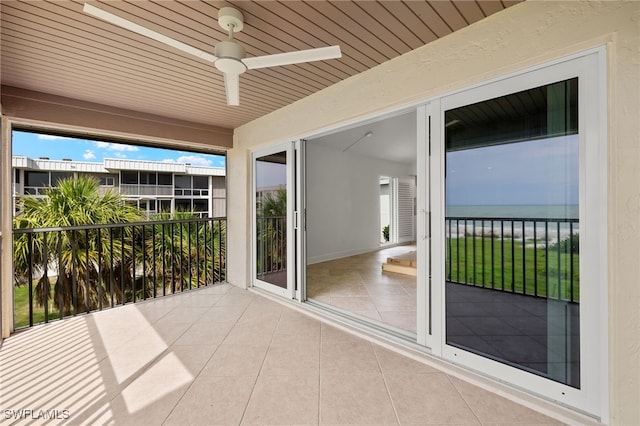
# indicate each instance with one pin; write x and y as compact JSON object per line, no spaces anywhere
{"x":358,"y":285}
{"x":353,"y":303}
{"x":428,"y":399}
{"x":355,"y":357}
{"x":251,"y":333}
{"x":148,"y":400}
{"x":169,"y":330}
{"x":331,"y":335}
{"x":292,"y":358}
{"x":374,"y":315}
{"x":185,"y":314}
{"x":226,"y":313}
{"x":201,"y":299}
{"x":193,"y":358}
{"x":394,"y":363}
{"x":203,"y":333}
{"x":260,"y":315}
{"x":348,"y":289}
{"x":235,"y":360}
{"x":493,"y":409}
{"x":277,"y":400}
{"x":168,"y":363}
{"x":214,"y":400}
{"x":128,"y":361}
{"x":293,"y":330}
{"x":355,"y":399}
{"x":394,"y":302}
{"x":405,"y":320}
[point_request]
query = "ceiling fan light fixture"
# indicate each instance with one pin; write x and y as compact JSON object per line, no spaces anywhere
{"x":230,"y":66}
{"x":230,"y":54}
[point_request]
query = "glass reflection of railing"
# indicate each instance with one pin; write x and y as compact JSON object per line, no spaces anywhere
{"x":71,"y":270}
{"x":271,"y":244}
{"x":531,"y":256}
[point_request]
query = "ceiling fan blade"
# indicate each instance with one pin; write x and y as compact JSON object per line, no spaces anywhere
{"x":289,"y":58}
{"x":232,"y":87}
{"x":139,"y":29}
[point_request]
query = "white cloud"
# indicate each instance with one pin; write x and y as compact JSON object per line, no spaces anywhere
{"x":88,"y":155}
{"x":194,"y":160}
{"x":119,"y":155}
{"x":115,"y":146}
{"x":52,"y":137}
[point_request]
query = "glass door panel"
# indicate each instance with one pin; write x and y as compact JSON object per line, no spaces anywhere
{"x":271,"y":224}
{"x":512,"y":230}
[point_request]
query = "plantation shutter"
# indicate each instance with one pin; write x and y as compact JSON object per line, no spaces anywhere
{"x":405,"y":210}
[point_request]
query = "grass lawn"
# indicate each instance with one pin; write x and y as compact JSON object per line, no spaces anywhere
{"x":507,"y":265}
{"x":21,"y":306}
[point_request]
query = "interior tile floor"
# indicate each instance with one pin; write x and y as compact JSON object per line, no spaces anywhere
{"x":226,"y":356}
{"x":358,"y":284}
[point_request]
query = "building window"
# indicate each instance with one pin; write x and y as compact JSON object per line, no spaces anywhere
{"x":164,"y":179}
{"x":183,"y":182}
{"x":107,"y":181}
{"x":183,"y":205}
{"x":36,"y":179}
{"x":129,"y":178}
{"x":58,"y":176}
{"x":147,"y":178}
{"x":201,"y":182}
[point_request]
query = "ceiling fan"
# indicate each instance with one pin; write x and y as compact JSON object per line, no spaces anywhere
{"x":229,"y":55}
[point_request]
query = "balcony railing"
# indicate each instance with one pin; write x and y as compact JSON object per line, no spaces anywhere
{"x":66,"y":271}
{"x":148,"y":190}
{"x":271,"y":244}
{"x":536,"y":257}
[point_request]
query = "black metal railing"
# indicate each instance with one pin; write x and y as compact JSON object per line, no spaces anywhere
{"x":531,"y":256}
{"x":271,"y":244}
{"x":66,"y":271}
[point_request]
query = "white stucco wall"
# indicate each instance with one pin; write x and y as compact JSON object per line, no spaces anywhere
{"x":527,"y":34}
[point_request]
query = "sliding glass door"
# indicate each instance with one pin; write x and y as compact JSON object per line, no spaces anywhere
{"x":517,"y":234}
{"x":273,"y":210}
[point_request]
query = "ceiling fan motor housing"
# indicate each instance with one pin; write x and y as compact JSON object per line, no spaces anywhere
{"x":230,"y":55}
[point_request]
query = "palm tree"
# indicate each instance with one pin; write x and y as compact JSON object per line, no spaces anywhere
{"x":86,"y":256}
{"x":187,"y":253}
{"x":272,"y":232}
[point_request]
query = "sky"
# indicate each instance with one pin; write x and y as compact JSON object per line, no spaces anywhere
{"x":538,"y":172}
{"x":270,"y":175}
{"x":58,"y":147}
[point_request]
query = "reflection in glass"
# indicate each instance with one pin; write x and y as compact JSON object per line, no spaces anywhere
{"x":271,"y":219}
{"x":512,"y":230}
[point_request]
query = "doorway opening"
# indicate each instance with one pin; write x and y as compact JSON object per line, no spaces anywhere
{"x":360,"y":215}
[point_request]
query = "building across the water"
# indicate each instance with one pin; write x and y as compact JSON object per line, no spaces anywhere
{"x":153,"y":186}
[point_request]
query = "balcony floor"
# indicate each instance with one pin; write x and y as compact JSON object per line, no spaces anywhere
{"x":227,"y":356}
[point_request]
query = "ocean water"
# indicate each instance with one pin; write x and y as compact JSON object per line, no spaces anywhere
{"x":552,"y":231}
{"x":515,"y":211}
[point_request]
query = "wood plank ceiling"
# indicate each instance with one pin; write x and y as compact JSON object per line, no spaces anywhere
{"x":53,"y":47}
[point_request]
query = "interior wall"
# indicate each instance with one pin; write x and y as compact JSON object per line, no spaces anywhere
{"x":343,"y":201}
{"x":525,"y":35}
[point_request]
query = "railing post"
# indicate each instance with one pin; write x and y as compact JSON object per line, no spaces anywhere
{"x":45,"y":270}
{"x":30,"y":251}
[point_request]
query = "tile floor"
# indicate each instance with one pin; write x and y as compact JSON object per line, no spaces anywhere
{"x":226,"y":356}
{"x":358,"y":284}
